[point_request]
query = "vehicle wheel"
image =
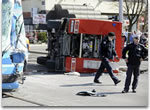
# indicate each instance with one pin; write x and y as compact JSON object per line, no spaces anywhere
{"x":58,"y":7}
{"x":42,"y":60}
{"x":58,"y":10}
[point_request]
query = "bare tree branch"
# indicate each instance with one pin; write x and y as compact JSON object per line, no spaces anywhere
{"x":138,"y":12}
{"x":127,"y":10}
{"x":136,"y":7}
{"x":133,"y":6}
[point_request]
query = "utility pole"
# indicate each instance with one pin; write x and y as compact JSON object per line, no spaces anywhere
{"x":121,"y":11}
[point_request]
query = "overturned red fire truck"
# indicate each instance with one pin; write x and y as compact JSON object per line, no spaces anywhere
{"x":74,"y":44}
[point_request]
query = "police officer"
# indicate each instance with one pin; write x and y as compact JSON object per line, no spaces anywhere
{"x":136,"y":53}
{"x":107,"y":52}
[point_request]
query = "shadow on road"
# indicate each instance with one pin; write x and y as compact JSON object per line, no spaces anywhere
{"x":109,"y":93}
{"x":86,"y":84}
{"x":36,"y":69}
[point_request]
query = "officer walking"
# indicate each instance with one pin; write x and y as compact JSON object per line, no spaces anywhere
{"x":107,"y":52}
{"x":136,"y":53}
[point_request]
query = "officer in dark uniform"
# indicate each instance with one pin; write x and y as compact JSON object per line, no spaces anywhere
{"x":107,"y":52}
{"x":136,"y":53}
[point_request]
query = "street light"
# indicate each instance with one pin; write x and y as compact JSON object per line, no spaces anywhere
{"x":121,"y":11}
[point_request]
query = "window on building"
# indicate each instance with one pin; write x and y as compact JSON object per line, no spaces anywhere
{"x":43,"y":2}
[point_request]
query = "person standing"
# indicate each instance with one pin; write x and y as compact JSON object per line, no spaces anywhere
{"x":136,"y":53}
{"x":107,"y":52}
{"x":126,"y":34}
{"x":124,"y":39}
{"x":144,"y":39}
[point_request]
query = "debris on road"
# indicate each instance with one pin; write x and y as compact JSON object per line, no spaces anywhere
{"x":92,"y":93}
{"x":73,"y":73}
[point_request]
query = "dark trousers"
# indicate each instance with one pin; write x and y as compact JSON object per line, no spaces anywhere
{"x":105,"y":64}
{"x":132,"y":69}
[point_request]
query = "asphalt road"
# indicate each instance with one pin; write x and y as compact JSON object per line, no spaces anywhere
{"x":51,"y":89}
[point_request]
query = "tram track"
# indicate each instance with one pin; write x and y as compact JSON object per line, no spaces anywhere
{"x":6,"y":95}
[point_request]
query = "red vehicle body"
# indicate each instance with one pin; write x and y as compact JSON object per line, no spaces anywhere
{"x":89,"y":34}
{"x":96,"y":27}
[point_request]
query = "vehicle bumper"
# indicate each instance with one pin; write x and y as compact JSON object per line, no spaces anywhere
{"x":13,"y":85}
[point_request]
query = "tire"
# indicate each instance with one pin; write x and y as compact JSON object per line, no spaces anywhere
{"x":58,"y":7}
{"x":42,"y":60}
{"x":64,"y":13}
{"x":58,"y":11}
{"x":50,"y":64}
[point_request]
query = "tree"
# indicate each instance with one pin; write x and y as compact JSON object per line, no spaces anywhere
{"x":145,"y":15}
{"x":134,"y":9}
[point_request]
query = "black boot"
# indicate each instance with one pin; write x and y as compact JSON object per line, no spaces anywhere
{"x":125,"y":91}
{"x":97,"y":81}
{"x":133,"y":90}
{"x":118,"y":81}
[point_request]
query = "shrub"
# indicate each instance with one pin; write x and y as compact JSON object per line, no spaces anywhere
{"x":42,"y":36}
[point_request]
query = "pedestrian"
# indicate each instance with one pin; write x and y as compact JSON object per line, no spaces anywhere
{"x":124,"y":39}
{"x":136,"y":53}
{"x":107,"y":52}
{"x":144,"y":39}
{"x":131,"y":38}
{"x":126,"y":34}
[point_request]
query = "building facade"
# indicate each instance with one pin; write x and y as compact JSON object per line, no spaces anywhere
{"x":89,"y":9}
